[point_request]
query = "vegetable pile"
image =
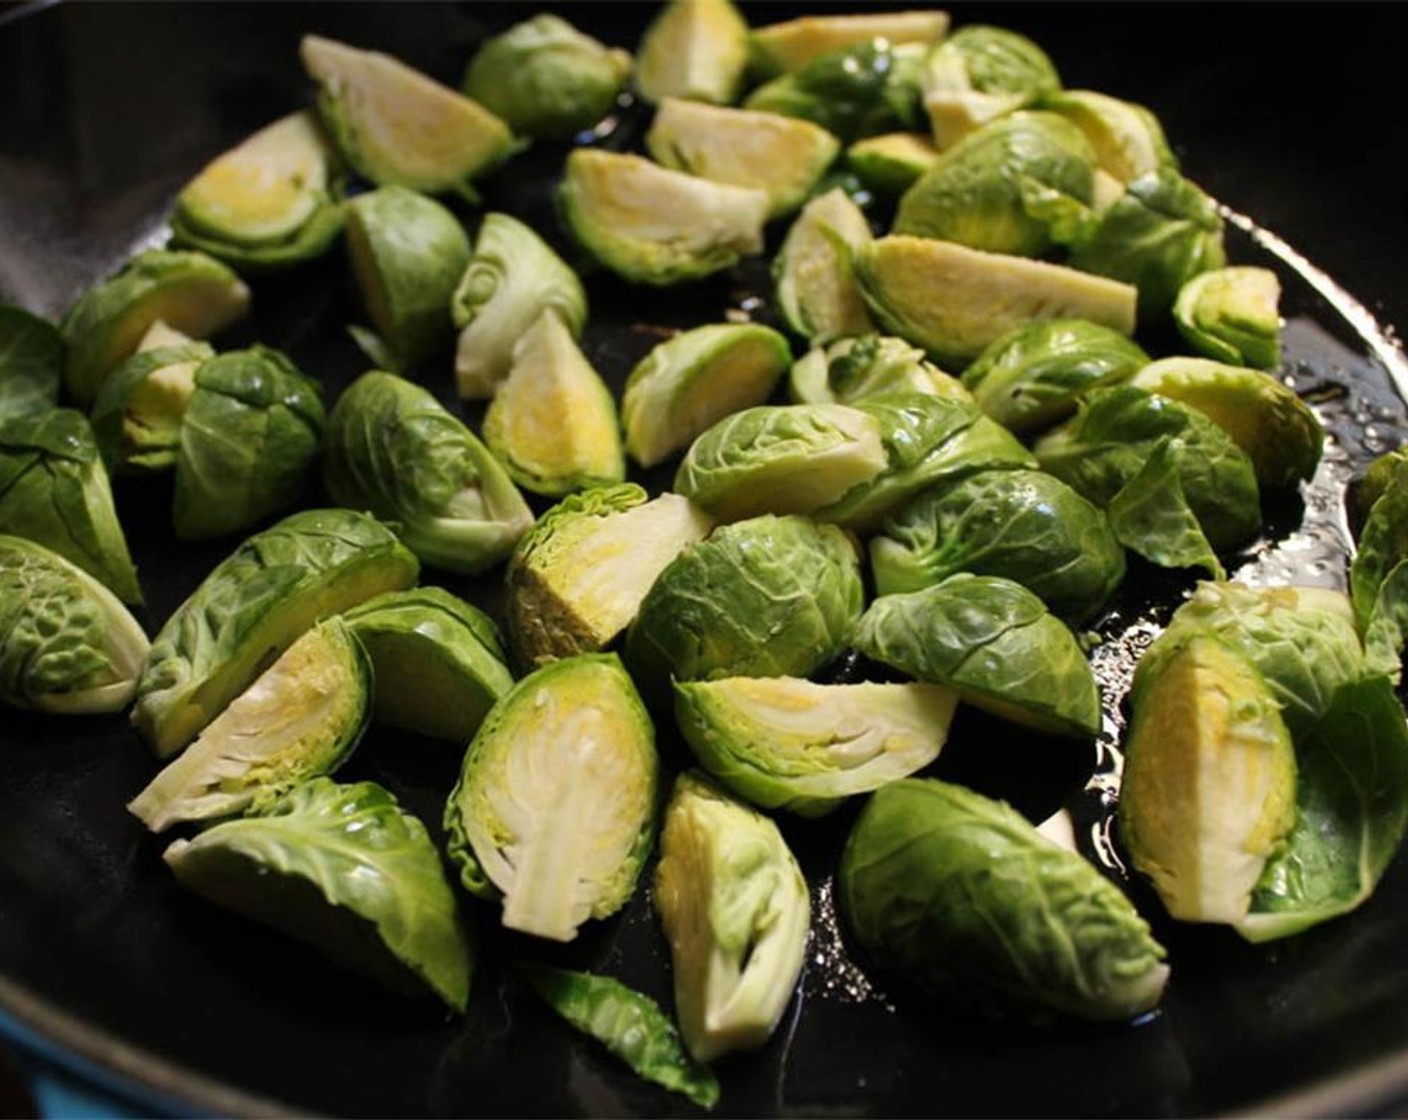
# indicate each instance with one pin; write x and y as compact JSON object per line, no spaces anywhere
{"x":762,"y":582}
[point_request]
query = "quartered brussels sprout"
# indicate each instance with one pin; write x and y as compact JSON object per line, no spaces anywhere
{"x":688,"y":382}
{"x":781,"y":48}
{"x":299,"y":720}
{"x":545,"y":78}
{"x":189,"y":291}
{"x":787,"y":743}
{"x":31,"y":362}
{"x":954,"y":301}
{"x":394,"y":450}
{"x":553,"y":422}
{"x":963,"y":897}
{"x":1031,"y":377}
{"x":254,"y":605}
{"x":67,"y":644}
{"x":513,"y":277}
{"x":54,"y":490}
{"x":1018,"y":186}
{"x":268,"y":203}
{"x":555,"y":807}
{"x":1275,"y":428}
{"x":736,"y":912}
{"x":996,"y":643}
{"x":1127,"y":139}
{"x":577,"y":578}
{"x":816,"y":289}
{"x":1232,"y":315}
{"x":651,"y":225}
{"x":1026,"y":526}
{"x":780,"y":155}
{"x":408,"y":254}
{"x":854,"y":369}
{"x":395,"y":126}
{"x":438,"y":661}
{"x":346,"y":869}
{"x":891,"y":163}
{"x":981,"y":73}
{"x":696,"y":49}
{"x":137,"y":413}
{"x":1209,"y":788}
{"x":781,"y":459}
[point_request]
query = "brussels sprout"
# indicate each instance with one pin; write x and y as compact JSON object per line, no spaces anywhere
{"x":785,"y":743}
{"x":652,"y":225}
{"x":252,"y":606}
{"x":781,"y":459}
{"x":248,"y":437}
{"x":67,"y":644}
{"x":965,"y":898}
{"x":697,"y":49}
{"x":408,"y":253}
{"x":1026,"y":526}
{"x":190,"y":292}
{"x":1160,"y":234}
{"x":781,"y":48}
{"x":780,"y":155}
{"x":996,"y":643}
{"x":439,"y":662}
{"x":890,"y":164}
{"x":553,"y":421}
{"x":954,"y":301}
{"x":1015,"y":186}
{"x":300,"y":719}
{"x":1030,"y":377}
{"x":1386,"y":633}
{"x":54,"y":491}
{"x":137,"y":413}
{"x":1232,"y":315}
{"x":554,"y":810}
{"x":736,"y":912}
{"x":1209,"y":780}
{"x":1378,"y":577}
{"x":348,"y":870}
{"x":395,"y":126}
{"x":1278,"y":431}
{"x":855,"y":369}
{"x":268,"y":203}
{"x":816,"y":289}
{"x":578,"y":576}
{"x":688,"y":382}
{"x":1127,"y":139}
{"x":31,"y":362}
{"x":512,"y":278}
{"x":979,"y":74}
{"x":767,"y":597}
{"x":546,"y":79}
{"x":394,"y":450}
{"x":1388,"y":471}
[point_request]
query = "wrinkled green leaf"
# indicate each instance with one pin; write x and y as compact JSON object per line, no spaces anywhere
{"x":1151,"y":516}
{"x":31,"y":362}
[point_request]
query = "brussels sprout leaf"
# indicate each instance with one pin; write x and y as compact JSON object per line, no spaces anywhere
{"x":1151,"y":516}
{"x":31,"y":360}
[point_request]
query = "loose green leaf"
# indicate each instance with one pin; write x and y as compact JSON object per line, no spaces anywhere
{"x":1151,"y":516}
{"x":31,"y":362}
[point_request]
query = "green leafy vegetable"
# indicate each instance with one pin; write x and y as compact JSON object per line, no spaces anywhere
{"x":31,"y":362}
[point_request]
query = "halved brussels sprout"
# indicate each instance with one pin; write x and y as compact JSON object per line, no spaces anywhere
{"x":438,"y":662}
{"x":736,"y":912}
{"x":696,"y":49}
{"x":395,"y":126}
{"x":137,"y":413}
{"x":346,"y":869}
{"x":254,"y":605}
{"x":786,"y":743}
{"x":554,"y":810}
{"x":408,"y":254}
{"x":31,"y":362}
{"x":981,"y":73}
{"x":1209,"y":789}
{"x":578,"y":576}
{"x":553,"y":421}
{"x":954,"y":301}
{"x":652,"y":225}
{"x":890,"y":164}
{"x":67,"y":644}
{"x":54,"y":490}
{"x":962,"y":896}
{"x":855,"y":369}
{"x":1232,"y":315}
{"x":781,"y":459}
{"x":191,"y":292}
{"x":689,"y":382}
{"x":816,"y":289}
{"x":513,"y":277}
{"x":1127,"y":138}
{"x":781,"y":48}
{"x":299,"y":720}
{"x":1031,"y":377}
{"x":545,"y":78}
{"x":396,"y":451}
